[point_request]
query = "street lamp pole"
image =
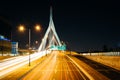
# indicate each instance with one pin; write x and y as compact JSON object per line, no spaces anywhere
{"x":21,"y":28}
{"x":29,"y":43}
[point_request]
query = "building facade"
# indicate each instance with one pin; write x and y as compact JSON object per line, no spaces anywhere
{"x":5,"y":46}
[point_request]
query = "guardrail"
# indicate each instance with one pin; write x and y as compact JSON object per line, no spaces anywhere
{"x":103,"y":54}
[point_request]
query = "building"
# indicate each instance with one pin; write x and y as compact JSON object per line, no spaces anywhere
{"x":5,"y":46}
{"x":14,"y":50}
{"x":5,"y":36}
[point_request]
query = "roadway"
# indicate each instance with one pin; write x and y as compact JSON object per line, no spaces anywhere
{"x":10,"y":64}
{"x":57,"y":67}
{"x":107,"y":71}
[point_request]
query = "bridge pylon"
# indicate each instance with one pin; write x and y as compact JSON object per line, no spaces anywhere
{"x":51,"y":39}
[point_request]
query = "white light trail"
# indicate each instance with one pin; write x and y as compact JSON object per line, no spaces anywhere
{"x":8,"y":66}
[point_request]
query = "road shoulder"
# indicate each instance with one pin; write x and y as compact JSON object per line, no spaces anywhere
{"x":91,"y":73}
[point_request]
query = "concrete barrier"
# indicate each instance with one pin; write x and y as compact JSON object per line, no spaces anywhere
{"x":112,"y":61}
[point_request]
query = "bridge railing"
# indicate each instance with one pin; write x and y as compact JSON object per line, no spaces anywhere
{"x":102,"y":54}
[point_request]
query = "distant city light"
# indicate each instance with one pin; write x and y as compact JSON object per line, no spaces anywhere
{"x":3,"y":38}
{"x":36,"y":42}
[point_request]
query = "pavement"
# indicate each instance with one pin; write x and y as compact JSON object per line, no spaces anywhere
{"x":57,"y":67}
{"x":90,"y":72}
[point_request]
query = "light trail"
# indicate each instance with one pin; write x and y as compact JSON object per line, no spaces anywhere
{"x":56,"y":67}
{"x":12,"y":64}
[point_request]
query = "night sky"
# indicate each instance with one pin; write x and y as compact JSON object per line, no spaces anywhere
{"x":82,"y":25}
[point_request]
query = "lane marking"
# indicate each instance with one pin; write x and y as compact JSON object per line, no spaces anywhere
{"x":87,"y":74}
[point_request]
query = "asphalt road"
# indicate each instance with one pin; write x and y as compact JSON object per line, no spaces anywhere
{"x":56,"y":67}
{"x":107,"y":71}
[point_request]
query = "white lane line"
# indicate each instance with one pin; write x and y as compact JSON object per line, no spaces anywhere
{"x":85,"y":72}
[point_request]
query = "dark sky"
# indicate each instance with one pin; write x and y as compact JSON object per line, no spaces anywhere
{"x":82,"y":25}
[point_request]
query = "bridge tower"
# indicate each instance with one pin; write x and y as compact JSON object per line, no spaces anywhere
{"x":51,"y":39}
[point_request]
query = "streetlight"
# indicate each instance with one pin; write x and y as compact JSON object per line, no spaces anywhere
{"x":22,"y":28}
{"x":37,"y":27}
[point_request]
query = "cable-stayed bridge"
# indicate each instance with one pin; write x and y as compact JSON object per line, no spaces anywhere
{"x":59,"y":65}
{"x":51,"y":40}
